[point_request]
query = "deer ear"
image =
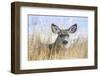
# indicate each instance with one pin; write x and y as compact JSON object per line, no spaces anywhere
{"x":73,"y":28}
{"x":55,"y":28}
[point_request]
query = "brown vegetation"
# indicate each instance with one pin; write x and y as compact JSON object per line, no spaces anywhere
{"x":38,"y":51}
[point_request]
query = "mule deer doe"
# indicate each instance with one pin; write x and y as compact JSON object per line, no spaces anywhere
{"x":63,"y":34}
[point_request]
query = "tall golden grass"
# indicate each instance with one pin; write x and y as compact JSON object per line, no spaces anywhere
{"x":39,"y":51}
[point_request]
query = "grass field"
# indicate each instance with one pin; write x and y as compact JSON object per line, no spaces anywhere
{"x":39,"y":51}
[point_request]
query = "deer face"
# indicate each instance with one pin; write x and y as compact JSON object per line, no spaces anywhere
{"x":63,"y":34}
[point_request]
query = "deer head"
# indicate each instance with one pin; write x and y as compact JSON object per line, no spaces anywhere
{"x":63,"y":35}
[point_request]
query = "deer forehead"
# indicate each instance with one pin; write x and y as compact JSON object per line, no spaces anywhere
{"x":63,"y":33}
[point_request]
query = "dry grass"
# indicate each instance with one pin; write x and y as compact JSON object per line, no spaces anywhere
{"x":38,"y":51}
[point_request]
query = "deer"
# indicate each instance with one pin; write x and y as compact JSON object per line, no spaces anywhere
{"x":62,"y":38}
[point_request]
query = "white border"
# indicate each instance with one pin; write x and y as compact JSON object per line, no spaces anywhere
{"x":24,"y":64}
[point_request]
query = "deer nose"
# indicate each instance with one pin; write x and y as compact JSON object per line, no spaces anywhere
{"x":65,"y":42}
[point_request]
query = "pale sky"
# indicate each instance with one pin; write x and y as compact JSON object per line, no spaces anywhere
{"x":43,"y":23}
